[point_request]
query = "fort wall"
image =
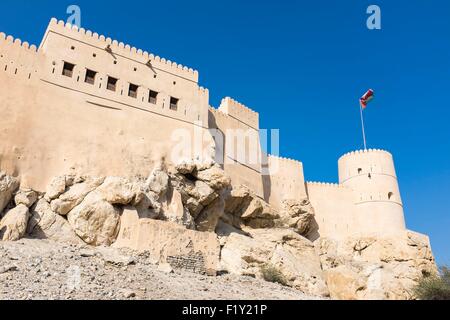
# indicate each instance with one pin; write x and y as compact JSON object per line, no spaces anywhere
{"x":334,"y":209}
{"x":52,"y":123}
{"x":239,"y":149}
{"x":61,"y":112}
{"x":286,"y":180}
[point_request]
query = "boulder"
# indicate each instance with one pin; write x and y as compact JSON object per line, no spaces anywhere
{"x":298,"y":215}
{"x":56,"y":187}
{"x":95,"y":220}
{"x":13,"y":225}
{"x":209,"y":217}
{"x":158,"y":182}
{"x":75,"y":194}
{"x":293,"y":255}
{"x":46,"y":224}
{"x":116,"y":190}
{"x":8,"y":185}
{"x":375,"y":267}
{"x":344,"y":283}
{"x":27,"y":197}
{"x":215,"y":177}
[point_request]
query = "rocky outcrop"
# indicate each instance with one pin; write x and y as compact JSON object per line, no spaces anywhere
{"x":293,"y":255}
{"x":8,"y":185}
{"x":192,"y":218}
{"x":375,"y":268}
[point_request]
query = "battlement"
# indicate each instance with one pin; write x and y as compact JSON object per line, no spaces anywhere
{"x":119,"y":49}
{"x":10,"y":40}
{"x":325,"y":184}
{"x":19,"y":59}
{"x":240,"y":112}
{"x":363,"y":152}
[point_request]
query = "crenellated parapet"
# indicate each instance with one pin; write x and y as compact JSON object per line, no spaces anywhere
{"x":119,"y":49}
{"x":324,"y":185}
{"x":363,"y":152}
{"x":18,"y":58}
{"x":240,"y":112}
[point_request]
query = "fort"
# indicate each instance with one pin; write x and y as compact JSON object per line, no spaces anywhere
{"x":86,"y":102}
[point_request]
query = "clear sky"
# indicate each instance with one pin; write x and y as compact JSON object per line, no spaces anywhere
{"x":303,"y":65}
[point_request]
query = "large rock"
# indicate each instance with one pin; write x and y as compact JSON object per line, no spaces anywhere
{"x":215,"y":177}
{"x":244,"y":208}
{"x":13,"y":225}
{"x":375,"y":267}
{"x":158,"y":181}
{"x":8,"y":185}
{"x":74,"y":195}
{"x":56,"y":187}
{"x":293,"y":255}
{"x":207,"y":219}
{"x":298,"y":215}
{"x":46,"y":224}
{"x":95,"y":220}
{"x":27,"y":197}
{"x":168,"y":242}
{"x":116,"y":190}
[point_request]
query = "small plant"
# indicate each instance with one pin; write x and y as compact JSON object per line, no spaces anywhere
{"x":272,"y":274}
{"x":434,"y":287}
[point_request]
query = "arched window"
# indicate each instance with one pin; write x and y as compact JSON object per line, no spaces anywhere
{"x":359,"y":170}
{"x":390,"y":195}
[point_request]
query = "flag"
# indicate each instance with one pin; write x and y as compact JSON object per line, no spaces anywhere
{"x":364,"y":100}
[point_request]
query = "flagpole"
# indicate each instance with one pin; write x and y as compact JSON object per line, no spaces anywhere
{"x":362,"y":125}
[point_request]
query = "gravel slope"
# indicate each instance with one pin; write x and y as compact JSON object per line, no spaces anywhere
{"x":41,"y":269}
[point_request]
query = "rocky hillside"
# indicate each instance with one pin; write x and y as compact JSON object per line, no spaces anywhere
{"x":192,"y":219}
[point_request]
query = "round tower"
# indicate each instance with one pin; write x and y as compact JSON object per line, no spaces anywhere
{"x":371,"y":175}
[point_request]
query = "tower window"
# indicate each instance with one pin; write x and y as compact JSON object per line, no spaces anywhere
{"x":132,"y":91}
{"x":153,"y":97}
{"x":90,"y":76}
{"x":390,"y":195}
{"x":359,"y":170}
{"x":68,"y":69}
{"x":112,"y":83}
{"x":174,"y":103}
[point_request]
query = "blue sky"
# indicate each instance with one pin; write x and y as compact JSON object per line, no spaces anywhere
{"x":303,"y":65}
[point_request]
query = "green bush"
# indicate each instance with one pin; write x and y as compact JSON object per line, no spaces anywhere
{"x":434,"y":287}
{"x":271,"y":274}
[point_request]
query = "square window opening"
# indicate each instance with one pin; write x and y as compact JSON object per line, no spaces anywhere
{"x":112,"y":84}
{"x":68,"y":69}
{"x":174,"y":104}
{"x":90,"y":76}
{"x":132,"y":91}
{"x":153,"y":97}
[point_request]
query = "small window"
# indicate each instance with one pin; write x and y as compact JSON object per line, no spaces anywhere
{"x":390,"y":195}
{"x":359,"y":170}
{"x":68,"y":69}
{"x":112,"y":83}
{"x":173,"y":103}
{"x":153,"y":97}
{"x":132,"y":91}
{"x":90,"y":76}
